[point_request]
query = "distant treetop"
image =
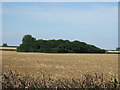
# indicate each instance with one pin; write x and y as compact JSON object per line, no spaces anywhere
{"x":4,"y":45}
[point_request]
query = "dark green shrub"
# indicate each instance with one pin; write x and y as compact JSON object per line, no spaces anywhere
{"x":4,"y":45}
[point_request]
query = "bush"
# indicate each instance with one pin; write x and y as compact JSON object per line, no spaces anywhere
{"x":4,"y":45}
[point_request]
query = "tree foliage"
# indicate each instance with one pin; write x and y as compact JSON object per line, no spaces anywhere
{"x":4,"y":45}
{"x":30,"y":44}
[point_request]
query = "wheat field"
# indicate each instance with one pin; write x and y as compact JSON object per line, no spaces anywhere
{"x":59,"y":65}
{"x":14,"y":48}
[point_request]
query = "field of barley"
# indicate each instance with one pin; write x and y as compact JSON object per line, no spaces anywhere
{"x":59,"y":65}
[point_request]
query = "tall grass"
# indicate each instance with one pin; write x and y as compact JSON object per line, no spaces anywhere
{"x":12,"y":79}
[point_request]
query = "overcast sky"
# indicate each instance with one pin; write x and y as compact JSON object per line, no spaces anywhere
{"x":90,"y":22}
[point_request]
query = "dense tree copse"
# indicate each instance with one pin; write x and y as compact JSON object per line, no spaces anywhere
{"x":30,"y":44}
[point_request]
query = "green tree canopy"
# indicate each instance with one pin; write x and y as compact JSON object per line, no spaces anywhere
{"x":4,"y":45}
{"x":30,"y":44}
{"x":28,"y":39}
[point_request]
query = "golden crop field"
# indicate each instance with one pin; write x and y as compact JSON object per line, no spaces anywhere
{"x":59,"y":65}
{"x":110,"y":51}
{"x":14,"y":48}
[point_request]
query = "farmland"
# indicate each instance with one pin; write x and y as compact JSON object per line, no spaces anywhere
{"x":7,"y":48}
{"x":59,"y":65}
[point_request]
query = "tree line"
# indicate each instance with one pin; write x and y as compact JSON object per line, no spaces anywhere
{"x":30,"y":44}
